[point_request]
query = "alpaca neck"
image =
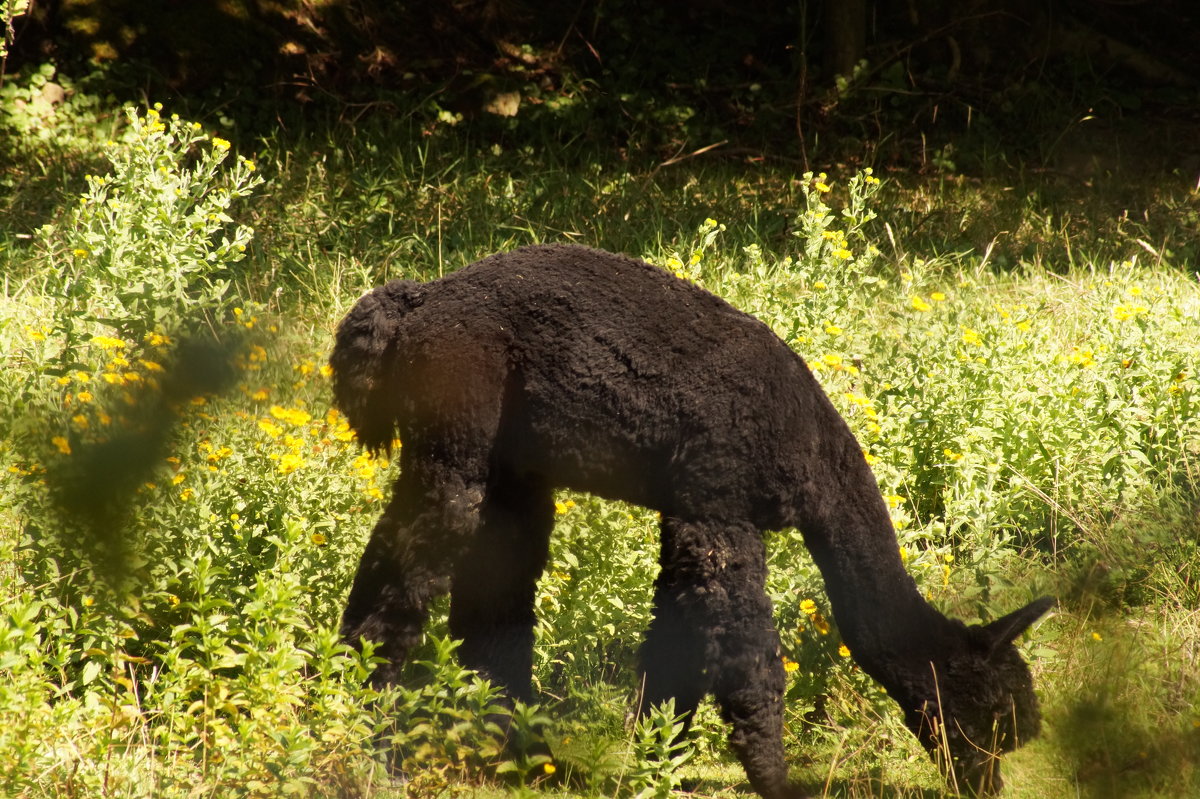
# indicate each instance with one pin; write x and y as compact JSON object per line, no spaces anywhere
{"x":888,"y":626}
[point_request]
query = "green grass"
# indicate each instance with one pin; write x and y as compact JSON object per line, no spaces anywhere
{"x":1023,"y":383}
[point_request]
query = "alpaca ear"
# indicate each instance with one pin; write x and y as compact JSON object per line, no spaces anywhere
{"x":1006,"y":629}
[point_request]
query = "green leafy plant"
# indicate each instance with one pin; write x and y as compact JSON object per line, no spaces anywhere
{"x":151,"y":247}
{"x":660,"y":752}
{"x":8,"y":12}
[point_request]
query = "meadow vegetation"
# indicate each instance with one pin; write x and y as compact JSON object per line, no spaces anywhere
{"x":181,"y":511}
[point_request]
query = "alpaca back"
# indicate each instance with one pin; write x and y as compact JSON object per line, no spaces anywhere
{"x":622,"y":380}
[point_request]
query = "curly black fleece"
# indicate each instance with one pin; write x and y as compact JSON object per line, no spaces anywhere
{"x":565,"y":366}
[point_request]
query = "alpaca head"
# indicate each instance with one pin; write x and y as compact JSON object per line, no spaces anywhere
{"x":365,"y":358}
{"x":978,"y":701}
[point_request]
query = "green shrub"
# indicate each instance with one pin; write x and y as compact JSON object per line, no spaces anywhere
{"x":150,"y":248}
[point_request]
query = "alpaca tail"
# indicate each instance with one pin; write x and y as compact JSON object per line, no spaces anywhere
{"x":366,"y":361}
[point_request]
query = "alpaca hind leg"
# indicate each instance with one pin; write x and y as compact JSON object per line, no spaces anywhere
{"x":494,"y":586}
{"x":718,"y":572}
{"x":408,"y":561}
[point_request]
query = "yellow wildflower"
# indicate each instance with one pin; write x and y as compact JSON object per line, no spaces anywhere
{"x":790,"y":665}
{"x":108,"y":342}
{"x":61,"y":444}
{"x":920,"y":304}
{"x":1082,"y":358}
{"x":290,"y":462}
{"x":1125,"y":312}
{"x":843,"y":650}
{"x":294,"y":416}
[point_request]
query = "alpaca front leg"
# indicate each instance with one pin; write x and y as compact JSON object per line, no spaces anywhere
{"x":750,"y":682}
{"x":716,"y":573}
{"x":749,"y":691}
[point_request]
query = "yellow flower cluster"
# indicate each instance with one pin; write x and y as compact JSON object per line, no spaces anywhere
{"x":1083,"y":357}
{"x":1124,"y":312}
{"x":367,"y":468}
{"x":833,"y":362}
{"x":85,"y":412}
{"x":867,"y":408}
{"x":839,"y":244}
{"x":153,"y":123}
{"x":293,"y":416}
{"x":819,"y":622}
{"x":213,"y":454}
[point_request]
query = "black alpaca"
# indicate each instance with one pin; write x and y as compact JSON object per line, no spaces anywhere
{"x":564,"y":366}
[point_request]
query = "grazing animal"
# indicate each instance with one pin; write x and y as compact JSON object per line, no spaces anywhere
{"x":563,"y":366}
